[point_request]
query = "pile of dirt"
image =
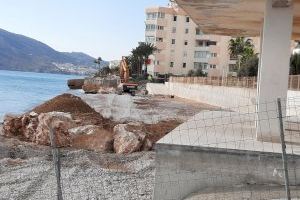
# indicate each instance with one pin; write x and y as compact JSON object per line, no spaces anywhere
{"x":79,"y":110}
{"x":156,"y":131}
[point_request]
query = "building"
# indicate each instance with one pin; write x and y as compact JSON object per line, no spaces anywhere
{"x":183,"y":47}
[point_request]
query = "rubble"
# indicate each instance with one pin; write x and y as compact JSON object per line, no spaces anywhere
{"x":127,"y":141}
{"x":59,"y":122}
{"x":97,"y":139}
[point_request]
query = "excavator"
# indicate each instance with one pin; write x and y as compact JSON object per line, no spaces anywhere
{"x":125,"y":86}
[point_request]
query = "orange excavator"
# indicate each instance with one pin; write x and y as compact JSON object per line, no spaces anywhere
{"x":124,"y":75}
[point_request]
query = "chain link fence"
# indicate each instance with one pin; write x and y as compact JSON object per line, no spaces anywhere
{"x":214,"y":155}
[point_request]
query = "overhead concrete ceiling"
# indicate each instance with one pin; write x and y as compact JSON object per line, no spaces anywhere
{"x":234,"y":17}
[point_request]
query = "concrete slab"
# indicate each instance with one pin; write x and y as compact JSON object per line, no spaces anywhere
{"x":231,"y":130}
{"x":220,"y":149}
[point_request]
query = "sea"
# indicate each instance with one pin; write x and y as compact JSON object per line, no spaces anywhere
{"x":22,"y":91}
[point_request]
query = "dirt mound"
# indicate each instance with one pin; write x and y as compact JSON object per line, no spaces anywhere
{"x":156,"y":131}
{"x":79,"y":110}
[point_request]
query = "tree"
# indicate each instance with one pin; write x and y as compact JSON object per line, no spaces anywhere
{"x":242,"y":49}
{"x":141,"y":53}
{"x":98,"y":61}
{"x":249,"y":67}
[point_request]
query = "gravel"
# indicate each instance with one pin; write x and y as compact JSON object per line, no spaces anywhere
{"x":26,"y":172}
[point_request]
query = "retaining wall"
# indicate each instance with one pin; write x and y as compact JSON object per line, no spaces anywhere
{"x":226,"y":97}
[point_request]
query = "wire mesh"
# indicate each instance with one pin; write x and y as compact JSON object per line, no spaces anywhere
{"x":215,"y":154}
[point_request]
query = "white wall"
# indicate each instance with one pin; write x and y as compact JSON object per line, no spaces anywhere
{"x":233,"y":98}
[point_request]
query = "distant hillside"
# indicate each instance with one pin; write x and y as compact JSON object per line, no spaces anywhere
{"x":18,"y":52}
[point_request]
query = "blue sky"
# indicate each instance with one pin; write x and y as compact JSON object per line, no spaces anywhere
{"x":106,"y":28}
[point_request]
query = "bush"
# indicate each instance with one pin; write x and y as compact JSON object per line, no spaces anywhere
{"x":249,"y":67}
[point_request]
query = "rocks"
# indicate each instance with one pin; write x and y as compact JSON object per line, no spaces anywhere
{"x":60,"y":124}
{"x":127,"y":141}
{"x":75,"y":83}
{"x":90,"y":88}
{"x":12,"y":125}
{"x":84,"y":130}
{"x":96,"y":139}
{"x":35,"y":128}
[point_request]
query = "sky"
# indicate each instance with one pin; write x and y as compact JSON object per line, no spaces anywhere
{"x":106,"y":28}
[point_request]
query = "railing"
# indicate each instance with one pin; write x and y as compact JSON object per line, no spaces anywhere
{"x":244,"y":82}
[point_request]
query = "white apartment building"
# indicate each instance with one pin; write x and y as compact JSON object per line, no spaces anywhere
{"x":182,"y":46}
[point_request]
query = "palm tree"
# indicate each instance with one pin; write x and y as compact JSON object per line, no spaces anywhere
{"x":241,"y":48}
{"x":146,"y":50}
{"x":142,"y":53}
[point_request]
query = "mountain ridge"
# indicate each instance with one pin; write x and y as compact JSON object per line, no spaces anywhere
{"x":21,"y":53}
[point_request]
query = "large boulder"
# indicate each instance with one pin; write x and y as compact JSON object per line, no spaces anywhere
{"x":60,"y":123}
{"x":12,"y":125}
{"x":127,"y":141}
{"x":95,"y":138}
{"x":75,"y":83}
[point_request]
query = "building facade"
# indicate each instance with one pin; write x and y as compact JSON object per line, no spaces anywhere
{"x":181,"y":45}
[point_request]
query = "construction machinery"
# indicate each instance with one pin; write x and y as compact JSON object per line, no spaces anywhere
{"x":125,"y":86}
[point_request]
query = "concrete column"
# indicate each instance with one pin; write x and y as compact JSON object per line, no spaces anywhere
{"x":274,"y":68}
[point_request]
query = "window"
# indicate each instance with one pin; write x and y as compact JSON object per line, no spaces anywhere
{"x":187,"y":19}
{"x":155,"y":15}
{"x":213,"y":55}
{"x":156,"y":62}
{"x":186,"y":31}
{"x":149,"y":39}
{"x":160,"y":28}
{"x":233,"y":68}
{"x":150,"y":27}
{"x":201,"y":43}
{"x":175,"y":18}
{"x":171,"y":64}
{"x":200,"y":65}
{"x":184,"y":65}
{"x":161,"y":15}
{"x":211,"y":43}
{"x":185,"y":42}
{"x":198,"y":32}
{"x":213,"y":66}
{"x":174,"y":30}
{"x":159,"y":39}
{"x":173,"y":41}
{"x":202,"y":54}
{"x":184,"y":54}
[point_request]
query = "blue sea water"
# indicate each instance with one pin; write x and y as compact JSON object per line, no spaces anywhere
{"x":21,"y":91}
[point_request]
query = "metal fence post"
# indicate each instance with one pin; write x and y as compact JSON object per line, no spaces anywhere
{"x":56,"y":162}
{"x":283,"y":146}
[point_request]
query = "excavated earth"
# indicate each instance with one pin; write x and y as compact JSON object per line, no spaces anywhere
{"x":26,"y":169}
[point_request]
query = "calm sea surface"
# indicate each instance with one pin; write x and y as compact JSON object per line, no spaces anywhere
{"x":21,"y":91}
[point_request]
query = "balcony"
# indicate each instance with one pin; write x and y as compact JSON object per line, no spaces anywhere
{"x":201,"y":48}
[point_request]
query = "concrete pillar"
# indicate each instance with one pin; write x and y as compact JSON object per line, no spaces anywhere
{"x":274,"y":68}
